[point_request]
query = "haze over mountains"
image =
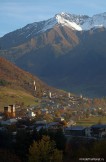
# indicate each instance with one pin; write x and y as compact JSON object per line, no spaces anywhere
{"x":67,"y":51}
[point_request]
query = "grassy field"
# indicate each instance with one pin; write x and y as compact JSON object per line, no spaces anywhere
{"x":91,"y":121}
{"x":12,"y":96}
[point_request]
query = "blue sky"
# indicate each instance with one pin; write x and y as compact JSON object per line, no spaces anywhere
{"x":15,"y":14}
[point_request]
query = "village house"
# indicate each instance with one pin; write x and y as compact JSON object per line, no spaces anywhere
{"x":54,"y":126}
{"x":88,"y":132}
{"x":59,"y":119}
{"x":31,"y":114}
{"x":44,"y":111}
{"x":75,"y":131}
{"x":99,"y":130}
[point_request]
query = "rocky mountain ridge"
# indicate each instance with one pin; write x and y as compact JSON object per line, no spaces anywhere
{"x":60,"y":54}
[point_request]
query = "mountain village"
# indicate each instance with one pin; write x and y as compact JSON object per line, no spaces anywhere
{"x":53,"y":112}
{"x":67,"y":52}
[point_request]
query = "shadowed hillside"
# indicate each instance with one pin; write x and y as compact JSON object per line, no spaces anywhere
{"x":16,"y":85}
{"x":62,"y":57}
{"x":12,"y":76}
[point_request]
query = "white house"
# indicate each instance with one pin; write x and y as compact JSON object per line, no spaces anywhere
{"x":88,"y":132}
{"x":31,"y":114}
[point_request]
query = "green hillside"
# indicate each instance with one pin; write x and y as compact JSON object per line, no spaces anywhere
{"x":15,"y":96}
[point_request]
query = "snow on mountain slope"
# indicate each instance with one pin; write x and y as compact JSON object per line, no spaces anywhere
{"x":96,"y":21}
{"x":65,"y":22}
{"x":72,"y":21}
{"x":75,"y":22}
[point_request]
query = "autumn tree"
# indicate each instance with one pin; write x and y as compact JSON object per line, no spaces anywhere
{"x":44,"y":150}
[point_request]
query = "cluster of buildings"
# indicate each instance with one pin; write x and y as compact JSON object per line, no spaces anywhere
{"x":70,"y":129}
{"x":97,"y":131}
{"x":94,"y":131}
{"x":50,"y":103}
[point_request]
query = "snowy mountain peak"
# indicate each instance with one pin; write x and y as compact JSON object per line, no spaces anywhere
{"x":72,"y":21}
{"x":81,"y":22}
{"x":65,"y":20}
